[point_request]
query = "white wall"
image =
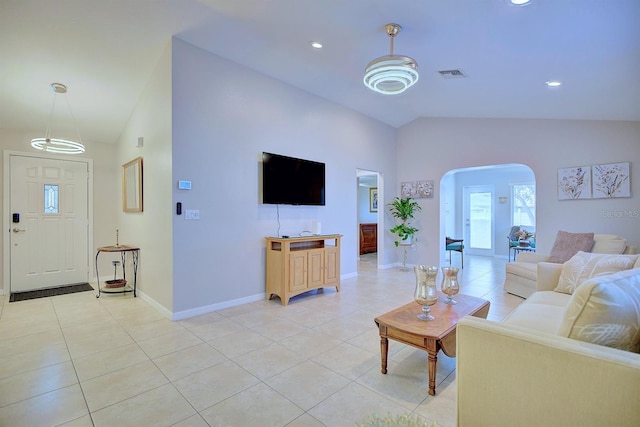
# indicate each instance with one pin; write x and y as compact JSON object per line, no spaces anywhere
{"x":364,"y":213}
{"x":151,"y":230}
{"x":224,"y":116}
{"x":438,"y":145}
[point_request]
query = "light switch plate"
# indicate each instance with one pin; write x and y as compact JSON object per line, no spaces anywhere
{"x":192,"y":214}
{"x":184,"y":185}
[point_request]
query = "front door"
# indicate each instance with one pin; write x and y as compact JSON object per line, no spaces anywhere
{"x":49,"y":222}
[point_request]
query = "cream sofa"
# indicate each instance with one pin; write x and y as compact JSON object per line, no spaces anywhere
{"x":522,"y":274}
{"x":534,"y":369}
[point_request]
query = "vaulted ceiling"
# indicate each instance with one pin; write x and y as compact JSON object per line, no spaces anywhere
{"x":105,"y":51}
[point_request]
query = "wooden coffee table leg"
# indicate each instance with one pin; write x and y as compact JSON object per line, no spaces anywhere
{"x":384,"y":349}
{"x":432,"y":351}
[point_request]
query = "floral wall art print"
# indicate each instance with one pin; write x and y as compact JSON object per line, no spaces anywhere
{"x":417,"y":189}
{"x":424,"y":189}
{"x":407,"y":189}
{"x":611,"y":180}
{"x":574,"y":183}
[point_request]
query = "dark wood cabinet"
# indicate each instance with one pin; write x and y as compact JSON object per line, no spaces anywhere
{"x":368,"y":238}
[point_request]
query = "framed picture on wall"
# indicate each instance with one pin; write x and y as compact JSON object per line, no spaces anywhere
{"x":373,"y":199}
{"x":611,"y":180}
{"x":574,"y":183}
{"x":407,"y":189}
{"x":424,"y":189}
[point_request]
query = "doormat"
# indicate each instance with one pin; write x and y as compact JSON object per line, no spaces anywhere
{"x":50,"y":292}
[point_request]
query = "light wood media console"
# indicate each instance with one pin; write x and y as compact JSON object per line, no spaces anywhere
{"x":296,"y":265}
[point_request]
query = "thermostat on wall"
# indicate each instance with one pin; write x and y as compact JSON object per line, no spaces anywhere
{"x":184,"y":185}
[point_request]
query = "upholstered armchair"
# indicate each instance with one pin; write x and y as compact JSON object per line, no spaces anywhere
{"x":513,"y":241}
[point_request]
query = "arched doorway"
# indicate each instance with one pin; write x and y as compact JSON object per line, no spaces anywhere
{"x":480,"y":204}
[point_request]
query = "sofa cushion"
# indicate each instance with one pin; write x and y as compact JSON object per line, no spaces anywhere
{"x":549,"y":298}
{"x":585,"y":265}
{"x":608,"y":244}
{"x":543,"y":312}
{"x":605,"y":310}
{"x":569,"y":244}
{"x":538,"y":317}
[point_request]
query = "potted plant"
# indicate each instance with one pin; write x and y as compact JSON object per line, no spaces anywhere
{"x":403,"y":209}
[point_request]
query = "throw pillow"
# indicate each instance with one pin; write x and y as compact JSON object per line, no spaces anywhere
{"x":568,"y":244}
{"x":585,"y":265}
{"x":608,"y":244}
{"x":605,"y":310}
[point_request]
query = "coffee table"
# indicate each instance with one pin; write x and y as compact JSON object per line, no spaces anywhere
{"x":403,"y":326}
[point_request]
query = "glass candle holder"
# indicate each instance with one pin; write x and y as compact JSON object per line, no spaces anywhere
{"x":450,"y":285}
{"x":426,"y":293}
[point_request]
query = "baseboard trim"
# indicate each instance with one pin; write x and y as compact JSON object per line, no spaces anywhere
{"x":388,"y":266}
{"x":185,"y":314}
{"x":215,"y":307}
{"x":155,"y":304}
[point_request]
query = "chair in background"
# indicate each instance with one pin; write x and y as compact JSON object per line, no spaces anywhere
{"x":513,"y":241}
{"x":455,"y":245}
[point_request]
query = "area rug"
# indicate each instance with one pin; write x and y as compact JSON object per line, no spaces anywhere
{"x":50,"y":292}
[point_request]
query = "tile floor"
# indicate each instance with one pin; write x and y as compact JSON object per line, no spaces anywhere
{"x":75,"y":360}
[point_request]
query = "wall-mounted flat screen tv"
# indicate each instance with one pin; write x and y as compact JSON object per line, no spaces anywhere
{"x":291,"y":181}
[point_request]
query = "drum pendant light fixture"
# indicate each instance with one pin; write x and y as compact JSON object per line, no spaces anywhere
{"x":57,"y":145}
{"x":391,"y":74}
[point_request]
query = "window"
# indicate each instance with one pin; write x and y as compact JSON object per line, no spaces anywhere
{"x":51,"y":199}
{"x":523,"y":205}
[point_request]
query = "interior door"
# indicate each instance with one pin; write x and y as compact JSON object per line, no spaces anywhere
{"x":479,"y":220}
{"x":49,"y":222}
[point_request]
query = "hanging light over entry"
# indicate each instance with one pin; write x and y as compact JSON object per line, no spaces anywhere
{"x":391,"y":74}
{"x":57,"y":145}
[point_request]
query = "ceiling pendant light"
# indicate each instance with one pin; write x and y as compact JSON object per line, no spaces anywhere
{"x":57,"y":145}
{"x":391,"y":74}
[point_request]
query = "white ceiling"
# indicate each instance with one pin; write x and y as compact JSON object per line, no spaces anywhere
{"x":105,"y":50}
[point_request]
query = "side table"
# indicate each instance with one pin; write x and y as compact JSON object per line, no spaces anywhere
{"x":518,"y":249}
{"x":123,"y":250}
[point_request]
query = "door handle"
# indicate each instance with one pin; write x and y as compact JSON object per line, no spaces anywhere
{"x":17,"y":230}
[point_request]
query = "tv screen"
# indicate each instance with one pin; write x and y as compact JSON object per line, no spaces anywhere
{"x":291,"y":181}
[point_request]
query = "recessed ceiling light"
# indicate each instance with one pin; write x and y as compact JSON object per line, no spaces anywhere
{"x":553,"y":83}
{"x":316,"y":45}
{"x":518,"y":2}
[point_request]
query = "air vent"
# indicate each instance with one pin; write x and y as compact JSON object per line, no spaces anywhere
{"x":452,"y":74}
